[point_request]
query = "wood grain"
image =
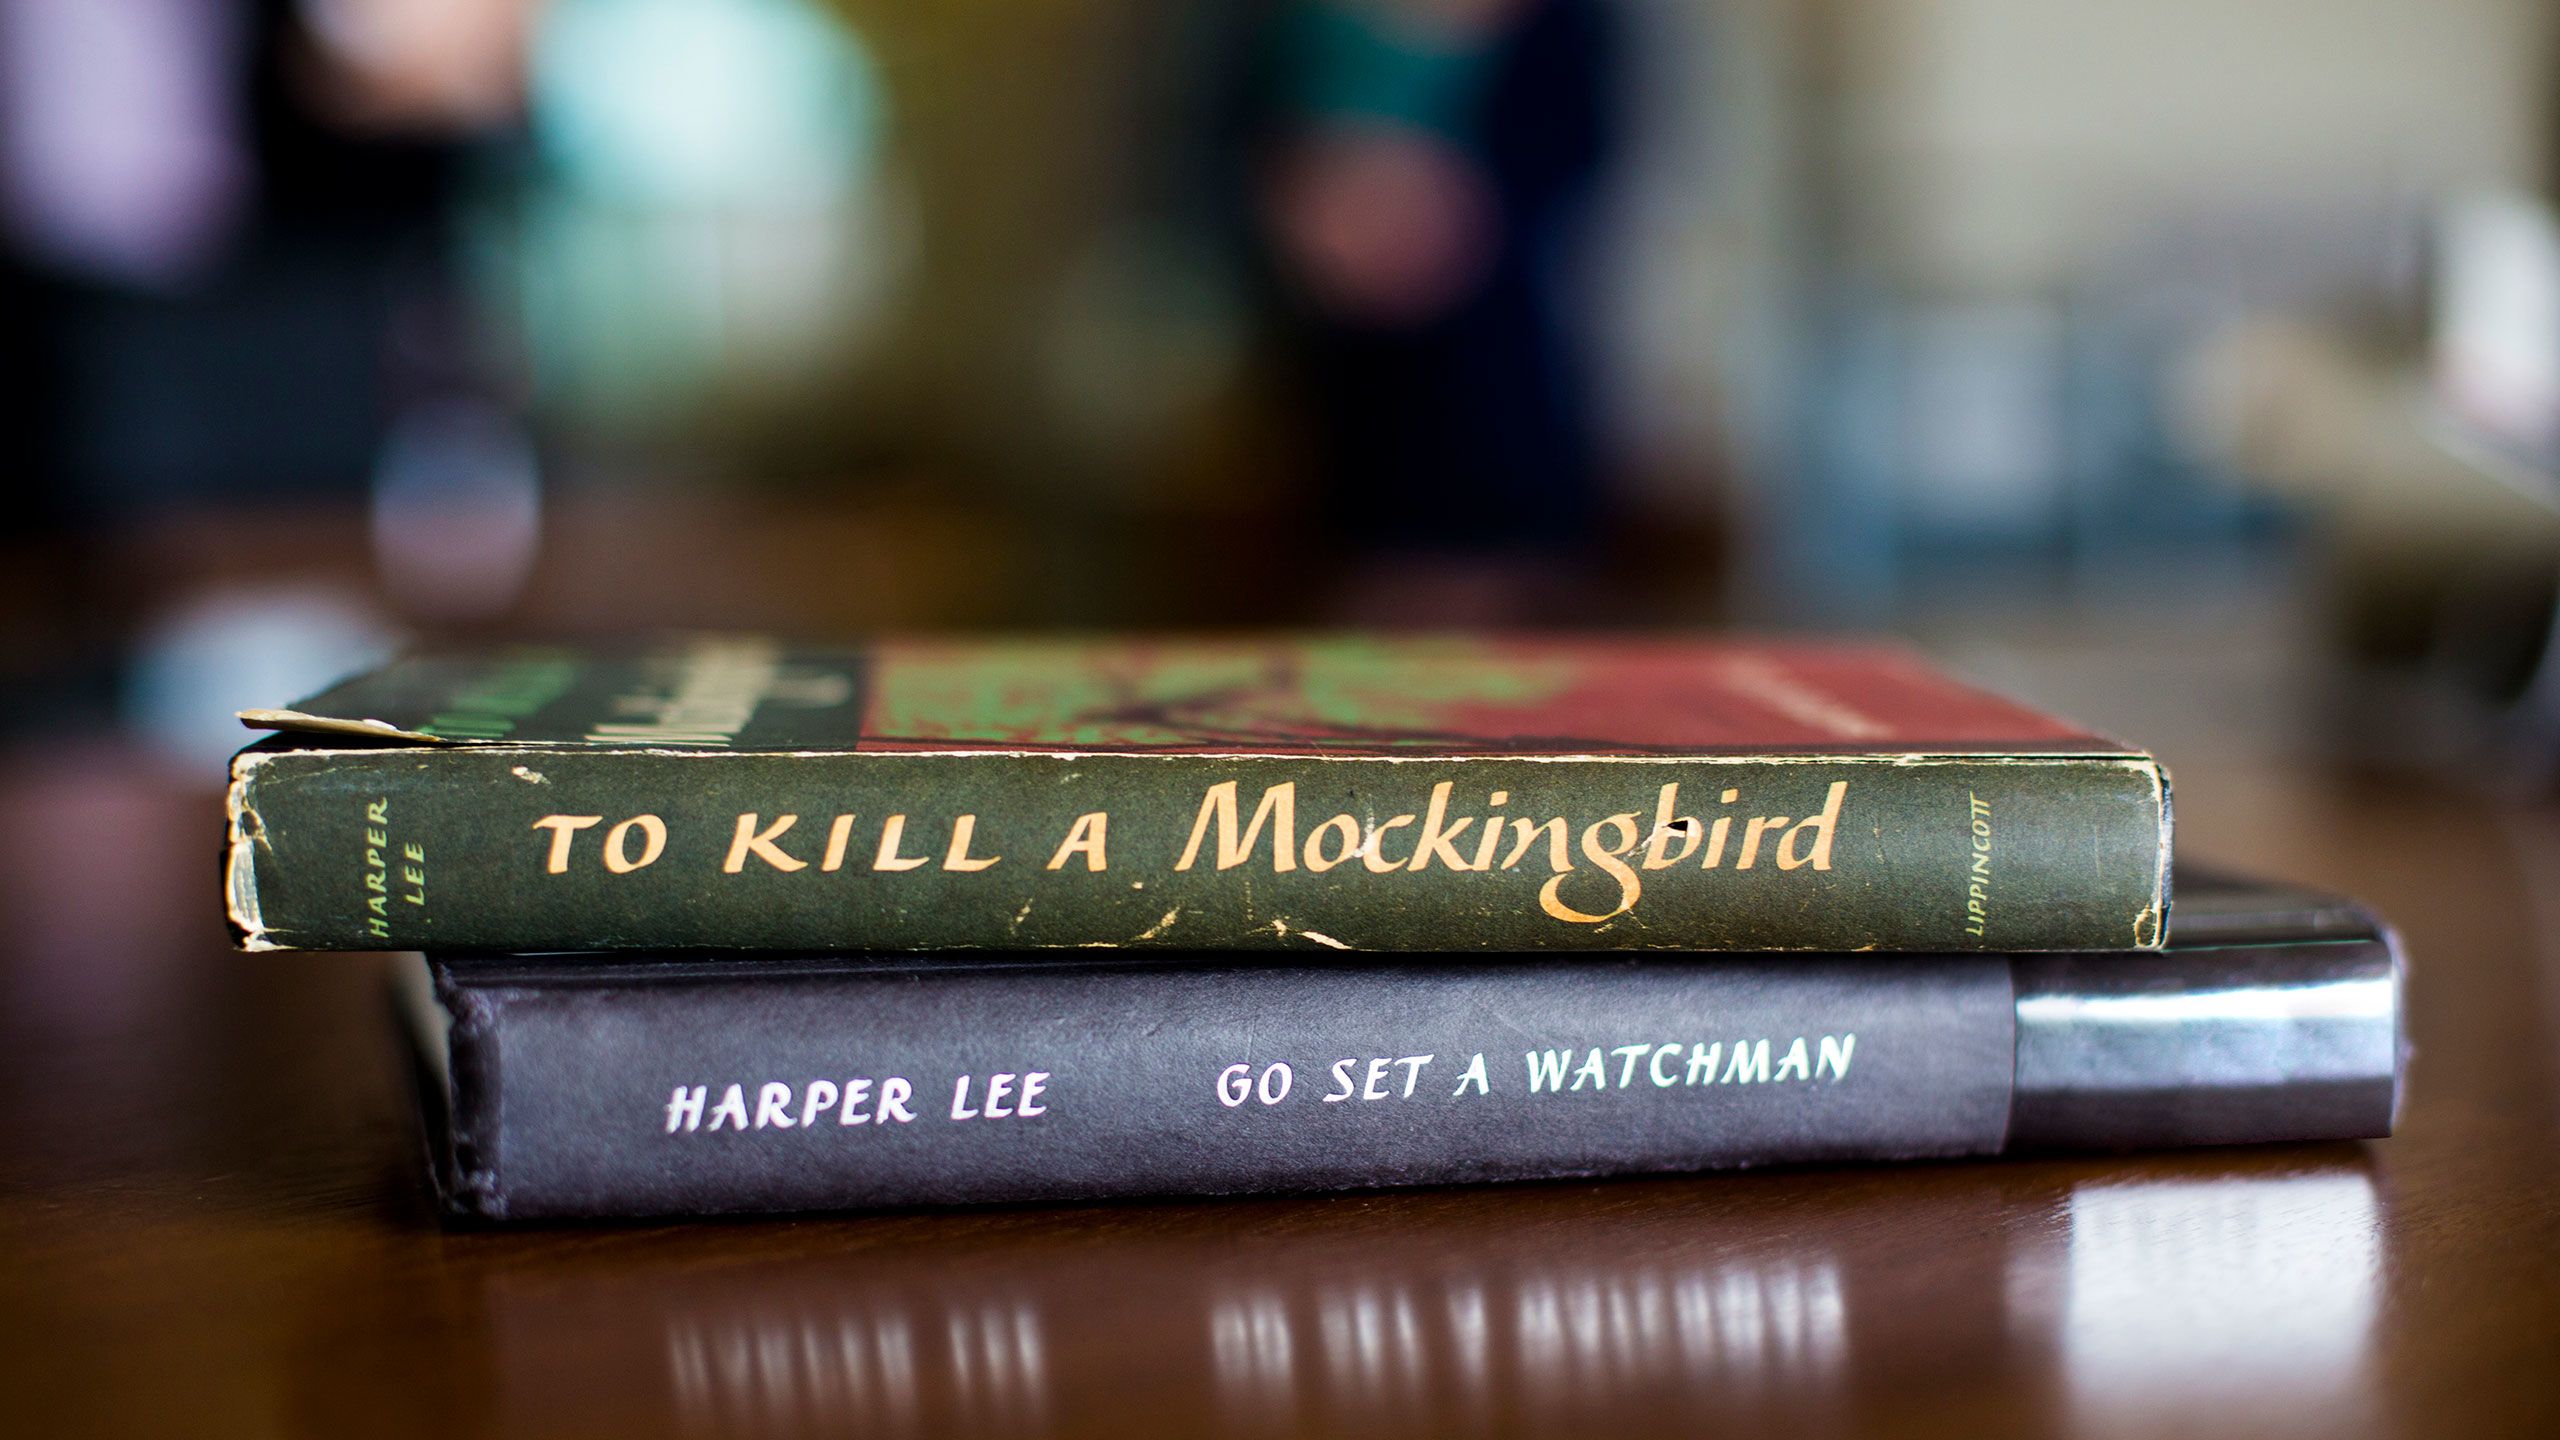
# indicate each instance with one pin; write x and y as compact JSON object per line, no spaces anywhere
{"x":212,"y":1223}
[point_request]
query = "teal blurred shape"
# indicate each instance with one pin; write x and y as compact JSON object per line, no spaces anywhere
{"x":703,"y":104}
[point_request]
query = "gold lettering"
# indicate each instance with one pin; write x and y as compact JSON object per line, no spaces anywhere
{"x":1716,"y":834}
{"x":887,"y":857}
{"x":1526,"y":833}
{"x":958,"y":856}
{"x":1373,"y":849}
{"x":653,"y":842}
{"x":760,"y":843}
{"x":1345,"y":827}
{"x":1820,"y":855}
{"x":1435,"y":836}
{"x":1752,"y":830}
{"x":561,"y":828}
{"x":839,"y":837}
{"x":1656,"y":854}
{"x":1087,"y":838}
{"x":1609,"y":858}
{"x":1492,"y":832}
{"x":1279,"y":806}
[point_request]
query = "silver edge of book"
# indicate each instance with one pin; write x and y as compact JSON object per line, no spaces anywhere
{"x":2208,"y":1046}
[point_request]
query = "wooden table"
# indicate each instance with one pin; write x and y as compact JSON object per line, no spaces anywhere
{"x":212,"y":1223}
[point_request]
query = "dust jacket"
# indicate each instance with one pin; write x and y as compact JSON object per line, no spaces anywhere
{"x":1322,"y":794}
{"x":572,"y":1086}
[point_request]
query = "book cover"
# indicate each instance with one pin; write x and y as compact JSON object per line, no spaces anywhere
{"x":1319,"y":794}
{"x":578,"y":1086}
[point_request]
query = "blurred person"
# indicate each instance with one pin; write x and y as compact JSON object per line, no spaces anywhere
{"x":231,"y":215}
{"x":1419,"y":173}
{"x":224,"y":242}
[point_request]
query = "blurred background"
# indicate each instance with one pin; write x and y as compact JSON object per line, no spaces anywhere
{"x":2190,"y":366}
{"x":2195,"y":365}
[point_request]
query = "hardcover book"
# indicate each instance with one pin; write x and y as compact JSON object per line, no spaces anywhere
{"x":570,"y":1086}
{"x":1320,"y":794}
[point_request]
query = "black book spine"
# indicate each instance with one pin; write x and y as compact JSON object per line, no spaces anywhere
{"x":593,"y":1089}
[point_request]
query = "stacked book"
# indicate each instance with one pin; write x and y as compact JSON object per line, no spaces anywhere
{"x":724,"y":926}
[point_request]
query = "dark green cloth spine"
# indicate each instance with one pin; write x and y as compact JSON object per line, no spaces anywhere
{"x":528,"y":848}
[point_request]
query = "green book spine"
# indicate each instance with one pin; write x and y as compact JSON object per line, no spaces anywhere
{"x":533,"y":848}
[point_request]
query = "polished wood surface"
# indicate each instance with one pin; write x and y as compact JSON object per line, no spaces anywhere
{"x":212,"y":1223}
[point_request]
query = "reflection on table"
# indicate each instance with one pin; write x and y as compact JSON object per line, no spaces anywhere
{"x":2248,"y":1275}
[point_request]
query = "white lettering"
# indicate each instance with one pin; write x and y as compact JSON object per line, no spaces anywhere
{"x":1702,"y":1063}
{"x":1546,"y":1069}
{"x":732,"y":1109}
{"x":1835,"y":1052}
{"x":1593,"y":1071}
{"x":684,"y":1110}
{"x":773,"y":1106}
{"x":1749,"y":1063}
{"x":894,"y":1094}
{"x":1669,"y":1050}
{"x":1794,"y":1061}
{"x":1631,"y":1054}
{"x":822,"y":1096}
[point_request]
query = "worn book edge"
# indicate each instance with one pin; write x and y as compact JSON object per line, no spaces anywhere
{"x":245,"y":831}
{"x":240,"y":862}
{"x":303,"y":721}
